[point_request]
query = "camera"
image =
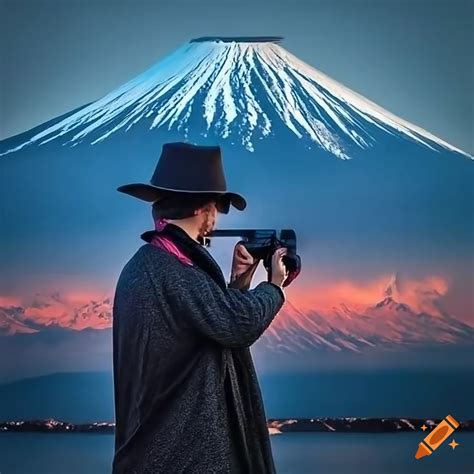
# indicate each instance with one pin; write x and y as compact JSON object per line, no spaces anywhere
{"x":262,"y":244}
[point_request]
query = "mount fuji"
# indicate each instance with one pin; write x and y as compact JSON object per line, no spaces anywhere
{"x":235,"y":90}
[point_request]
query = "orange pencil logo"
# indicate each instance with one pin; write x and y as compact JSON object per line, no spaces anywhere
{"x":436,"y":437}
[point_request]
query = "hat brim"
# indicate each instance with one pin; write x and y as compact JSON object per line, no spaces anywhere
{"x":150,"y":193}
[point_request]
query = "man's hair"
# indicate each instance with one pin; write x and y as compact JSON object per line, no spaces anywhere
{"x":180,"y":205}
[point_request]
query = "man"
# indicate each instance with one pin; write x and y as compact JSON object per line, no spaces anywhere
{"x":187,"y":398}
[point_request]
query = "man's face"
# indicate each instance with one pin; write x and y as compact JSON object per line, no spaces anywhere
{"x":209,"y":218}
{"x":213,"y":216}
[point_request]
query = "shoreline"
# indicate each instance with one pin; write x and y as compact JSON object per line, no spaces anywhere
{"x":275,"y":425}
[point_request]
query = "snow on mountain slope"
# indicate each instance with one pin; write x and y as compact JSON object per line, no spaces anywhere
{"x":241,"y":89}
{"x":386,"y":324}
{"x":52,"y":310}
{"x":11,"y":325}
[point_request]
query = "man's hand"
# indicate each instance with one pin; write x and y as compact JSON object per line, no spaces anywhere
{"x":279,"y":272}
{"x":243,"y":268}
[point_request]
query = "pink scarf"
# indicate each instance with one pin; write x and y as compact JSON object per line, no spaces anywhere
{"x":166,"y":243}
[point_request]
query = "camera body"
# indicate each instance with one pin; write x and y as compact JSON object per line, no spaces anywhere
{"x":262,"y":243}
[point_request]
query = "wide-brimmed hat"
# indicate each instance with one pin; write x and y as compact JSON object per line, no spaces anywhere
{"x":186,"y":168}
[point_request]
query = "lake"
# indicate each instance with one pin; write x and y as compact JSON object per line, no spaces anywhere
{"x":294,"y":453}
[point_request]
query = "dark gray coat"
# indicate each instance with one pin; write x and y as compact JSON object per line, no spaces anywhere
{"x":187,"y":398}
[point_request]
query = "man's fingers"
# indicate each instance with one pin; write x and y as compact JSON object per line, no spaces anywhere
{"x":242,"y":250}
{"x":244,"y":255}
{"x":280,"y":251}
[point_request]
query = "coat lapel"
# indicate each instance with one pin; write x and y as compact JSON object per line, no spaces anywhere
{"x":196,"y":252}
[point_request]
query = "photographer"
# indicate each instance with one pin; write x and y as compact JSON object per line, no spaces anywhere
{"x":187,"y":398}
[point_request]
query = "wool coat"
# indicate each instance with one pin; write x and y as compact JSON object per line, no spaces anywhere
{"x":187,"y":397}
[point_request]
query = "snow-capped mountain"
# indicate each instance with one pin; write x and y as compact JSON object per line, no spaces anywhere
{"x":241,"y":90}
{"x":53,"y":311}
{"x":386,"y":324}
{"x":10,"y":324}
{"x":95,"y":314}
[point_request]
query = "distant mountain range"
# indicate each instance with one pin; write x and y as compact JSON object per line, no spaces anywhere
{"x":374,"y":392}
{"x":55,"y":313}
{"x":386,"y":324}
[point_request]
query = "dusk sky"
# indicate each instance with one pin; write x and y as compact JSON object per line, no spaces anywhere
{"x":69,"y":232}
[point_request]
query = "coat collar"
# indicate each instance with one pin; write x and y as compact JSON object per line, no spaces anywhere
{"x":195,"y":251}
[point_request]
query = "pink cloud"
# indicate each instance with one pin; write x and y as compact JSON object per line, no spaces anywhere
{"x":79,"y":309}
{"x":422,"y":294}
{"x":8,"y":301}
{"x":425,"y":294}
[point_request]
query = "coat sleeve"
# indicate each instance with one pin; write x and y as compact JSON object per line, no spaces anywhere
{"x":232,"y":317}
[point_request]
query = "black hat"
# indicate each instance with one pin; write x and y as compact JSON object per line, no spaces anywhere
{"x":186,"y":168}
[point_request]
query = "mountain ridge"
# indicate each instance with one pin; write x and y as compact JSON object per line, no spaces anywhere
{"x":240,"y":91}
{"x":341,"y":328}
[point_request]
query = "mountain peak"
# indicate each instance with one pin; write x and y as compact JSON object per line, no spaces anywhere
{"x":392,"y":305}
{"x":238,"y":39}
{"x":386,"y":302}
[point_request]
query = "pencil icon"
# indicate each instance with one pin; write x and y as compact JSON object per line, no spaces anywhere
{"x":434,"y":439}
